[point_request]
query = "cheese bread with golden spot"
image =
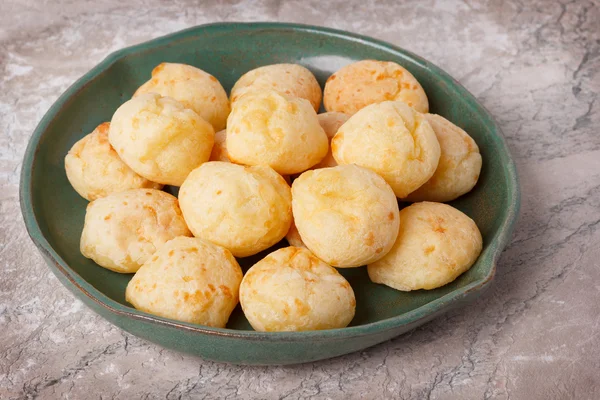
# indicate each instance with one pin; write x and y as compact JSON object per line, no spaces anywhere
{"x":292,"y":290}
{"x":189,"y":280}
{"x":192,"y":87}
{"x":122,"y":230}
{"x":436,"y":244}
{"x":346,"y":215}
{"x":95,"y":170}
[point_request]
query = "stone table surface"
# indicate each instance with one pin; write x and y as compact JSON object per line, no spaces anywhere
{"x":534,"y":335}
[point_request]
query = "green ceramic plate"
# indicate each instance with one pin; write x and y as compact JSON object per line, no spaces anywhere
{"x":54,"y":213}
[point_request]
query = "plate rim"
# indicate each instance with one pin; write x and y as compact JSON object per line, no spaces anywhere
{"x":496,"y":245}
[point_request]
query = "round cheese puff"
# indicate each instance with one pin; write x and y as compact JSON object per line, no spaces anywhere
{"x":435,"y":245}
{"x":95,"y":170}
{"x":269,"y":128}
{"x":244,"y":209}
{"x":291,"y":79}
{"x":192,"y":87}
{"x":393,"y":140}
{"x":122,"y":230}
{"x":159,"y":138}
{"x":219,"y":150}
{"x":459,"y":166}
{"x":346,"y":215}
{"x":293,"y":236}
{"x":292,"y":290}
{"x":357,"y":85}
{"x":330,"y":122}
{"x":189,"y":280}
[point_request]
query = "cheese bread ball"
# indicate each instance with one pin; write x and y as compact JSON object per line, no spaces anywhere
{"x":459,"y":166}
{"x":330,"y":122}
{"x":244,"y":209}
{"x":189,"y":280}
{"x":160,"y":139}
{"x":269,"y":128}
{"x":219,"y":150}
{"x":95,"y":170}
{"x":346,"y":215}
{"x":435,"y":245}
{"x":193,"y":88}
{"x":393,"y":140}
{"x":293,"y":236}
{"x":122,"y":230}
{"x":291,"y":79}
{"x":357,"y":85}
{"x":292,"y":290}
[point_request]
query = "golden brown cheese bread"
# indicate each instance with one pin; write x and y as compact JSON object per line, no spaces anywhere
{"x":459,"y":166}
{"x":357,"y":85}
{"x":270,"y":128}
{"x":291,"y":79}
{"x":436,"y":244}
{"x":244,"y":209}
{"x":330,"y":122}
{"x":393,"y":140}
{"x":95,"y":170}
{"x":189,"y":280}
{"x":292,"y":290}
{"x":219,"y":150}
{"x":160,"y":139}
{"x":193,"y":88}
{"x":122,"y":230}
{"x":346,"y":215}
{"x":293,"y":236}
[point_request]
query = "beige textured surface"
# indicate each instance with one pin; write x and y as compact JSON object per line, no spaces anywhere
{"x":534,"y":335}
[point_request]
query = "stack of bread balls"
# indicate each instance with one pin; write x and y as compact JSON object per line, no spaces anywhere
{"x":262,"y":165}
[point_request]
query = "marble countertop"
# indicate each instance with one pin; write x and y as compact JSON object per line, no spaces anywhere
{"x":534,"y":335}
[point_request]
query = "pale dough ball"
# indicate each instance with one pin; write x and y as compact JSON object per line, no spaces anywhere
{"x":293,"y":236}
{"x":291,"y":79}
{"x":160,"y":139}
{"x":219,"y":150}
{"x":435,"y":245}
{"x":95,"y":170}
{"x":357,"y":85}
{"x":122,"y":230}
{"x":189,"y":280}
{"x":330,"y":122}
{"x":193,"y":88}
{"x":459,"y":166}
{"x":346,"y":215}
{"x":244,"y":209}
{"x":393,"y":140}
{"x":292,"y":290}
{"x":269,"y":128}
